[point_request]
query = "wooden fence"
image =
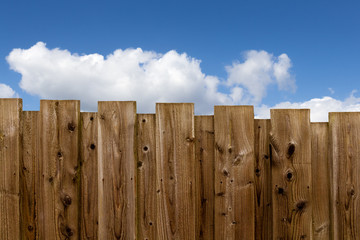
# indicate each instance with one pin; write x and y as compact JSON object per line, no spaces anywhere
{"x":116,"y":174}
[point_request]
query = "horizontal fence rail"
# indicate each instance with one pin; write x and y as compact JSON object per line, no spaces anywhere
{"x":117,"y":174}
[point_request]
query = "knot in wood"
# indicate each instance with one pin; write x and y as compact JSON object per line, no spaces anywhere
{"x":67,"y":200}
{"x":291,"y":150}
{"x":71,"y":127}
{"x":300,"y":205}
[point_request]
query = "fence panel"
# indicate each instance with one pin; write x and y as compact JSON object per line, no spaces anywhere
{"x":234,"y":172}
{"x":89,"y":175}
{"x":10,"y":148}
{"x":320,"y":169}
{"x":204,"y":156}
{"x":290,"y":139}
{"x":146,"y":176}
{"x":175,"y":155}
{"x":28,"y":177}
{"x":117,"y":170}
{"x":117,"y":174}
{"x":345,"y":152}
{"x":263,"y":206}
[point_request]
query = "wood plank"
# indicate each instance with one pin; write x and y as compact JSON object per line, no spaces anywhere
{"x":345,"y":153}
{"x":320,"y":169}
{"x":234,"y":172}
{"x":117,"y":170}
{"x":30,"y":154}
{"x":290,"y":140}
{"x":10,"y":147}
{"x":146,"y":176}
{"x":263,"y":193}
{"x":175,"y":151}
{"x":59,"y":185}
{"x":205,"y":158}
{"x":89,"y":175}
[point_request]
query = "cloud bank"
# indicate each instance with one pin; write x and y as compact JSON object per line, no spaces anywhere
{"x":7,"y":92}
{"x":147,"y":77}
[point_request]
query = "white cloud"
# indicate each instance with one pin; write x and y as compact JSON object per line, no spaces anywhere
{"x":6,"y":91}
{"x":319,"y":107}
{"x":260,"y":69}
{"x":145,"y":76}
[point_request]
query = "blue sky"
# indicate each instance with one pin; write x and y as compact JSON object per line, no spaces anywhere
{"x":321,"y":40}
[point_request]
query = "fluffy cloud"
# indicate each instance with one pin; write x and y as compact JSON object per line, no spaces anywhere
{"x":146,"y":76}
{"x":6,"y":91}
{"x":258,"y":71}
{"x":319,"y":107}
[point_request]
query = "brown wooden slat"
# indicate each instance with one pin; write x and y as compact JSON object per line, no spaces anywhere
{"x":146,"y":176}
{"x":117,"y":170}
{"x":291,"y":173}
{"x":263,"y":194}
{"x":175,"y":171}
{"x":234,"y":172}
{"x":204,"y":156}
{"x":57,"y":200}
{"x":89,"y":175}
{"x":10,"y":148}
{"x":320,"y":169}
{"x":344,"y":130}
{"x":30,"y":155}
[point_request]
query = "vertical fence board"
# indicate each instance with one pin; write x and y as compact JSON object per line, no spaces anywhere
{"x":175,"y":151}
{"x":30,"y":155}
{"x":146,"y":176}
{"x":320,"y":181}
{"x":117,"y":170}
{"x":89,"y":175}
{"x":10,"y":147}
{"x":290,"y":139}
{"x":58,"y":190}
{"x":204,"y":156}
{"x":345,"y":151}
{"x":234,"y":172}
{"x":263,"y":206}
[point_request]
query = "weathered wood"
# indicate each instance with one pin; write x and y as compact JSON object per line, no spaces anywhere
{"x":344,"y":130}
{"x":57,"y":198}
{"x":146,"y":176}
{"x":30,"y":155}
{"x":290,"y":140}
{"x":10,"y":155}
{"x":89,"y":175}
{"x":204,"y":156}
{"x":117,"y":170}
{"x":263,"y":194}
{"x":234,"y":172}
{"x":320,"y":169}
{"x":175,"y":151}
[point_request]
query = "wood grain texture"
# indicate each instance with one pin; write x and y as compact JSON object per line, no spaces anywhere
{"x":175,"y":151}
{"x":117,"y":170}
{"x":59,"y":185}
{"x":263,"y":194}
{"x":344,"y":130}
{"x":89,"y":175}
{"x":234,"y":172}
{"x":320,"y":169}
{"x":30,"y":155}
{"x":10,"y":155}
{"x":290,"y":140}
{"x":146,"y":176}
{"x":205,"y":158}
